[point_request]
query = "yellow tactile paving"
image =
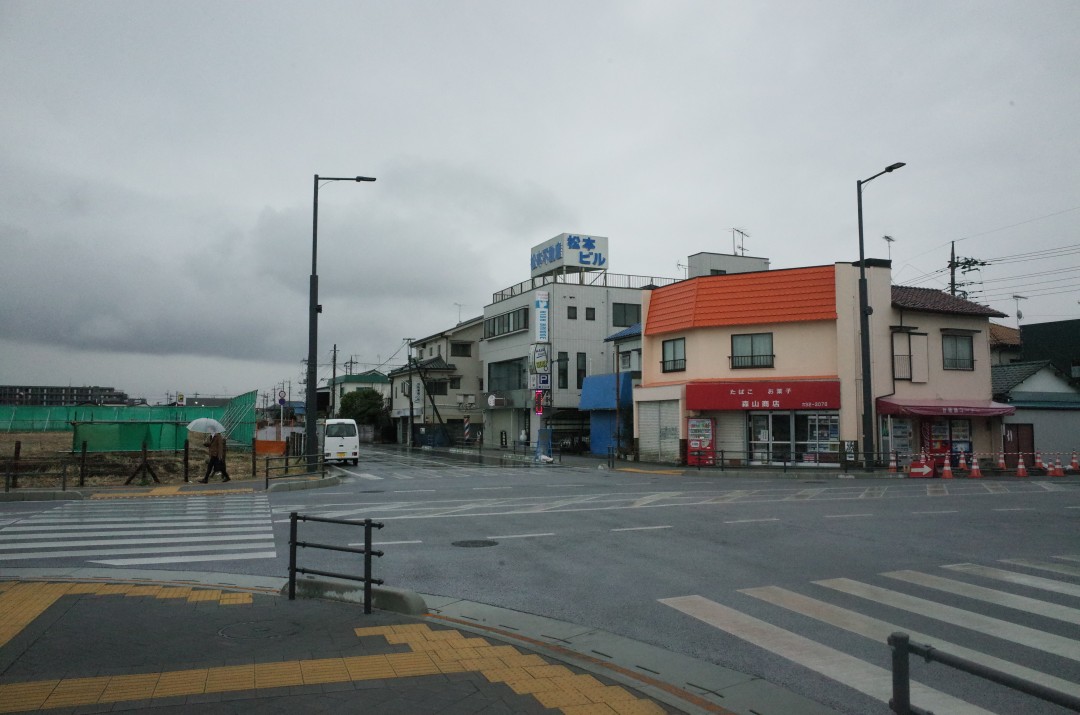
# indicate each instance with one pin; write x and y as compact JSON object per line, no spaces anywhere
{"x":230,"y":678}
{"x":432,"y":652}
{"x":181,"y":683}
{"x":278,"y":675}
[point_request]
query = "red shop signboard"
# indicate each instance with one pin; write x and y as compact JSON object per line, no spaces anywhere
{"x":766,"y":395}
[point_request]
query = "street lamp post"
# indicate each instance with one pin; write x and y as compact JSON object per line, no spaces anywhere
{"x":864,"y":329}
{"x":311,"y":401}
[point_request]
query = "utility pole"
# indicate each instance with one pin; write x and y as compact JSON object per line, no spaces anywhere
{"x":333,"y":383}
{"x":350,"y":364}
{"x":409,"y":362}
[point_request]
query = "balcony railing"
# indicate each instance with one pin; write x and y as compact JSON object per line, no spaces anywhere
{"x":673,"y":365}
{"x":740,"y":362}
{"x":594,"y":278}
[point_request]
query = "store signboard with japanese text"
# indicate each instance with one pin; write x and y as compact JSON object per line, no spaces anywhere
{"x":541,"y":306}
{"x":570,"y":250}
{"x":765,"y":395}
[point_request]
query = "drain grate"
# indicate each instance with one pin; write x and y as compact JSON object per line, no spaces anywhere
{"x":475,"y":543}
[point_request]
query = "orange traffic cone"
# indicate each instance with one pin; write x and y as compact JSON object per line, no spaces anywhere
{"x":975,"y":473}
{"x":1075,"y":465}
{"x":1001,"y":461}
{"x":1056,"y":470}
{"x":1038,"y":460}
{"x":946,"y":470}
{"x":1021,"y":470}
{"x":962,"y":464}
{"x":892,"y":461}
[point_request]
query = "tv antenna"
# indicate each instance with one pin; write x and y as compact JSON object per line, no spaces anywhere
{"x":743,"y":235}
{"x":459,"y":307}
{"x":1019,"y":314}
{"x":888,"y":242}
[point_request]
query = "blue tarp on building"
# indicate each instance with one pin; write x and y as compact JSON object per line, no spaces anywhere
{"x":598,"y":399}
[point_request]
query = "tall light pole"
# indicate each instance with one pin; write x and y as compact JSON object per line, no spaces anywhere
{"x":864,"y":329}
{"x":311,"y":402}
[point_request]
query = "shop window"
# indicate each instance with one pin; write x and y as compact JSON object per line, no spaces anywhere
{"x":752,"y":350}
{"x":957,"y":352}
{"x":674,"y":355}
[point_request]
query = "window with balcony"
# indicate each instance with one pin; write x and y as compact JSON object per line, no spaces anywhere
{"x":674,"y":355}
{"x":957,"y":352}
{"x":752,"y":350}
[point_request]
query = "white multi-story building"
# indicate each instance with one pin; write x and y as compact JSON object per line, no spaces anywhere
{"x":439,"y":391}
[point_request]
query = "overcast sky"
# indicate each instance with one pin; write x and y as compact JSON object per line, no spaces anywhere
{"x":157,"y":163}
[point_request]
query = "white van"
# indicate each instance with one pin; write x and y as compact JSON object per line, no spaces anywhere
{"x":341,"y":441}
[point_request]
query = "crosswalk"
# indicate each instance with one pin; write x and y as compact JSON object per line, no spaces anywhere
{"x":144,"y":532}
{"x":1009,"y":616}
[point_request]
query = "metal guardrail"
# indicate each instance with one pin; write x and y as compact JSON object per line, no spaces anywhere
{"x":723,"y":459}
{"x":288,"y":463}
{"x":367,"y":551}
{"x":900,"y":703}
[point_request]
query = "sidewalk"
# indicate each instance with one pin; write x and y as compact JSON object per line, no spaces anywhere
{"x":89,"y":640}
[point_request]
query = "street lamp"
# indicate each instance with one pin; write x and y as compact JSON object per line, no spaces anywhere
{"x":864,"y":328}
{"x":311,"y":401}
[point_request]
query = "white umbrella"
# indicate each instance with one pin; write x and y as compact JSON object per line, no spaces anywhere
{"x":206,"y":425}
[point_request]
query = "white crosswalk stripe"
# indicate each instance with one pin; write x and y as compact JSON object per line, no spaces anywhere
{"x":957,"y":605}
{"x":145,"y":532}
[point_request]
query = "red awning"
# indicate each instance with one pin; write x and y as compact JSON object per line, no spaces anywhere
{"x":942,"y":408}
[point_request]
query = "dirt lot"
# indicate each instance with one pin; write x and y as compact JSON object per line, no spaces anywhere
{"x":43,"y":455}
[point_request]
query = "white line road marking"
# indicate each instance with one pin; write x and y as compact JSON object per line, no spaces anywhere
{"x":1015,"y":509}
{"x":518,"y":536}
{"x":748,"y":521}
{"x":410,"y":491}
{"x":879,"y":632}
{"x":868,"y":679}
{"x":989,"y":595}
{"x":489,"y":488}
{"x":845,"y":516}
{"x":117,"y":552}
{"x":1045,"y":566}
{"x":157,"y":532}
{"x":641,"y":528}
{"x":1031,"y":637}
{"x":388,"y":543}
{"x":954,"y":511}
{"x":187,"y":559}
{"x":1022,"y":579}
{"x":267,"y":534}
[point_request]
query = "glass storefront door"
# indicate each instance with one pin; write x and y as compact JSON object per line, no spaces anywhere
{"x":806,"y":438}
{"x":770,"y":437}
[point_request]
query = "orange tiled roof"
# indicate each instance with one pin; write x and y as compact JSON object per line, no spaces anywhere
{"x":783,"y":296}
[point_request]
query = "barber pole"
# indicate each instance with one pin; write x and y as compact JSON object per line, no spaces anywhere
{"x":466,"y":428}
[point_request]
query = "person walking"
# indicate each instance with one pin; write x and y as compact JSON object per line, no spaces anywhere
{"x":215,"y":445}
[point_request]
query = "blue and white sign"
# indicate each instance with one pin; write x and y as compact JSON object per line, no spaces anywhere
{"x":543,"y":381}
{"x":541,"y":305}
{"x":570,"y":250}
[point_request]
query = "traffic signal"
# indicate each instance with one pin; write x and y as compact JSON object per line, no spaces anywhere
{"x":538,"y":402}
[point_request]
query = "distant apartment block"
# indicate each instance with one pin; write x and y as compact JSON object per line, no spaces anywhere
{"x":56,"y":395}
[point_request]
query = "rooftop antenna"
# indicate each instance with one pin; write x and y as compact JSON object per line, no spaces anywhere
{"x":459,"y":307}
{"x":742,"y":243}
{"x":680,"y":266}
{"x":888,"y":242}
{"x":1019,"y":314}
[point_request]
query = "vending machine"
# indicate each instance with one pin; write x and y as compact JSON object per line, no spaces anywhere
{"x":700,"y":450}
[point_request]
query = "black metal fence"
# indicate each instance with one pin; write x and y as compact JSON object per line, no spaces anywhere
{"x":283,"y":467}
{"x":367,"y":552}
{"x":900,"y":703}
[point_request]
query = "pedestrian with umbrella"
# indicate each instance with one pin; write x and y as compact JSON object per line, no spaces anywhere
{"x":215,"y":445}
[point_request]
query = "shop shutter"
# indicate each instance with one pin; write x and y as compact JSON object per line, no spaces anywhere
{"x":669,"y":431}
{"x":648,"y":431}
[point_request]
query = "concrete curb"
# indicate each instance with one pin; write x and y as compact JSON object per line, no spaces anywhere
{"x":301,"y":485}
{"x":384,"y":598}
